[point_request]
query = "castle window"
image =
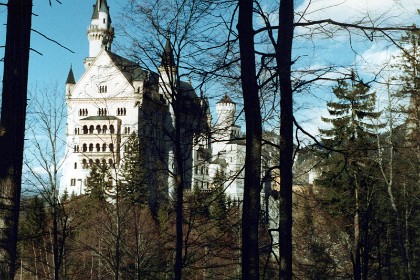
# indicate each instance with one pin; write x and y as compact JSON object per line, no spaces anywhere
{"x":98,"y":129}
{"x":110,"y":162}
{"x":75,"y":131}
{"x":98,"y":147}
{"x":72,"y":182}
{"x":111,"y":147}
{"x":103,"y":147}
{"x":85,"y":129}
{"x":97,"y":162}
{"x":104,"y":129}
{"x":90,"y":162}
{"x":75,"y":165}
{"x":103,"y":89}
{"x":75,"y":148}
{"x":84,"y":163}
{"x":91,"y":128}
{"x":111,"y":129}
{"x":103,"y":162}
{"x":84,"y":148}
{"x":91,"y":147}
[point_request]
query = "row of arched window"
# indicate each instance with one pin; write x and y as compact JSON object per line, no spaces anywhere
{"x":83,"y":112}
{"x":90,"y":163}
{"x":121,"y":112}
{"x":94,"y":148}
{"x":98,"y":129}
{"x":102,"y":112}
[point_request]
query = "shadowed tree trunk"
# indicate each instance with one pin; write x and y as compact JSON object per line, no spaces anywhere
{"x":252,"y":187}
{"x":12,"y":128}
{"x":284,"y":63}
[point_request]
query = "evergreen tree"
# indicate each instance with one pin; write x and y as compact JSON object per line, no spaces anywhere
{"x":133,"y":185}
{"x":347,"y":164}
{"x":97,"y":182}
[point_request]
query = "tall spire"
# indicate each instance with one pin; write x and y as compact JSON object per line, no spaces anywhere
{"x":167,"y":55}
{"x":100,"y":31}
{"x":70,"y":77}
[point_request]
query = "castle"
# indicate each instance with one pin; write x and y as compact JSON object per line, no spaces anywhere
{"x":116,"y":98}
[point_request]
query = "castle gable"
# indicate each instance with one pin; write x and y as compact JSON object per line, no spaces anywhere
{"x":109,"y":76}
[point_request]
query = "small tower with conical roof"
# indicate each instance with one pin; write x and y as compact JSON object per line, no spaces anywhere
{"x":225,"y":110}
{"x":167,"y":67}
{"x":100,"y":32}
{"x":70,"y":82}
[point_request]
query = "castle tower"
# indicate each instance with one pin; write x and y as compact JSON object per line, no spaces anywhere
{"x":225,"y":110}
{"x":70,"y":83}
{"x":100,"y":32}
{"x":167,"y":69}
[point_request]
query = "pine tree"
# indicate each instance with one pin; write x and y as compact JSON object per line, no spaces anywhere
{"x":133,"y":185}
{"x":347,"y":162}
{"x":97,"y":183}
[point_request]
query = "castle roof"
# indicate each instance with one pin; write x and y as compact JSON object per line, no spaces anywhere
{"x":226,"y":99}
{"x":70,"y":77}
{"x":131,"y":70}
{"x":167,"y":55}
{"x":100,"y":118}
{"x":100,"y":6}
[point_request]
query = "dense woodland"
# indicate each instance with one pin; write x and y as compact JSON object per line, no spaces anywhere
{"x":359,"y":219}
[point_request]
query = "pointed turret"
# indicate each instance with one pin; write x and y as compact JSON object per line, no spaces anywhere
{"x":100,"y":31}
{"x":225,"y":109}
{"x":167,"y":69}
{"x":167,"y":56}
{"x":70,"y":82}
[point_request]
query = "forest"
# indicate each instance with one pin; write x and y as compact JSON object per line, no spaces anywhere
{"x":338,"y":201}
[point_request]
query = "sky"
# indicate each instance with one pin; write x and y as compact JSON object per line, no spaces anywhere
{"x":67,"y":24}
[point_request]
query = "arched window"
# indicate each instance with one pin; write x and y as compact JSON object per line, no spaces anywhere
{"x":97,"y":162}
{"x":91,"y":128}
{"x":124,"y":111}
{"x":110,"y":162}
{"x":80,"y":112}
{"x":111,"y":129}
{"x":75,"y":165}
{"x":104,"y":129}
{"x":105,"y":113}
{"x":91,"y":147}
{"x":75,"y":131}
{"x":75,"y":148}
{"x":103,"y":147}
{"x":84,"y":148}
{"x":111,"y":147}
{"x":103,"y":162}
{"x":85,"y":129}
{"x":84,"y":163}
{"x":118,"y":111}
{"x":98,"y":147}
{"x":98,"y":129}
{"x":90,"y":162}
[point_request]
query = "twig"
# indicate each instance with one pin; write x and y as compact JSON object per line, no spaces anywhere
{"x":54,"y":41}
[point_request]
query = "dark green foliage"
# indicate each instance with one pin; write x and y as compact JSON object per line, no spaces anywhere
{"x":34,"y":219}
{"x":133,"y":184}
{"x":98,"y":182}
{"x":348,"y":166}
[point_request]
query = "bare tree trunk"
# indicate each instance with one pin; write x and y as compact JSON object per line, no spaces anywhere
{"x":252,"y":187}
{"x":180,"y":184}
{"x":12,"y":128}
{"x":284,"y":62}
